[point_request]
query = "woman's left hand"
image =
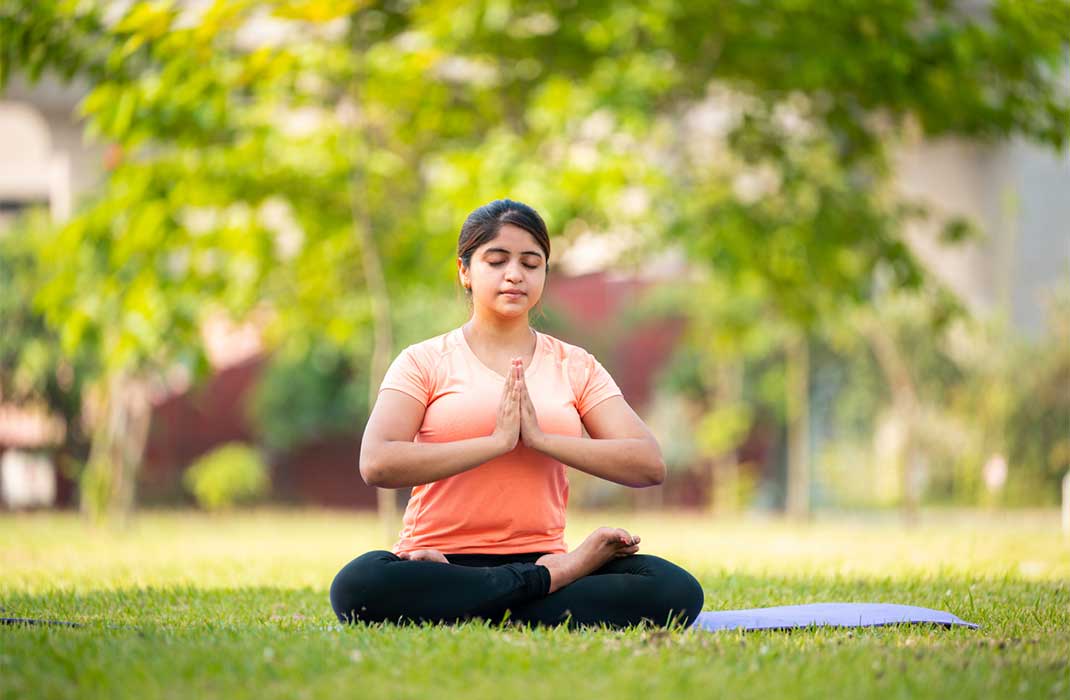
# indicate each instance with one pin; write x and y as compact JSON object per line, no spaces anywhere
{"x":530,"y":432}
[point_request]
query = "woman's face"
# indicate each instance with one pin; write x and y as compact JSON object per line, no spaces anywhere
{"x":511,"y":261}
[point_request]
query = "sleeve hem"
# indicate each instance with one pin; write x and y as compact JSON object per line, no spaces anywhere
{"x":422,"y":400}
{"x":599,"y":401}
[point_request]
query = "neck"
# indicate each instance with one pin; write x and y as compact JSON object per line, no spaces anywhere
{"x":500,"y":332}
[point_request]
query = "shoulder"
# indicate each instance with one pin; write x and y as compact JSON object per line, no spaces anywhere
{"x":561,"y":351}
{"x":577,"y":363}
{"x":430,"y":353}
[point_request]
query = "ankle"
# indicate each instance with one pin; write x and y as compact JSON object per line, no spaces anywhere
{"x":559,"y":572}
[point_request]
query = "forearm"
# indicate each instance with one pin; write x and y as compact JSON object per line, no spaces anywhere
{"x":629,"y":461}
{"x":398,"y":464}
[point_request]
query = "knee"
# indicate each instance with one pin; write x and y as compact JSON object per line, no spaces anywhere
{"x":680,"y":593}
{"x":358,"y":583}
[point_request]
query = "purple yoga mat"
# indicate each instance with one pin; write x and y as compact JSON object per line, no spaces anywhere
{"x":830,"y":614}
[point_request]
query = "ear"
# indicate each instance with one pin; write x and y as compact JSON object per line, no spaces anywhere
{"x":462,"y":273}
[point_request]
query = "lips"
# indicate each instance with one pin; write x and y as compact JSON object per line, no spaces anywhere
{"x":514,"y":292}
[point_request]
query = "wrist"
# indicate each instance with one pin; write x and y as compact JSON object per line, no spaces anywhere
{"x":538,"y":441}
{"x":501,"y":443}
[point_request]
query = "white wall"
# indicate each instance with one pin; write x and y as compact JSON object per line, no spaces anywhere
{"x":1018,"y":194}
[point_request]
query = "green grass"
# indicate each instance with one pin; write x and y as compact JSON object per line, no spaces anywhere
{"x":186,"y":605}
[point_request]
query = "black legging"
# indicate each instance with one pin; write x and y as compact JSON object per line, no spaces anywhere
{"x":380,"y":586}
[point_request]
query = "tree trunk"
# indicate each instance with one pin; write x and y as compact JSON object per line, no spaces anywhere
{"x":382,"y":332}
{"x":383,"y":347}
{"x":108,"y":490}
{"x":798,"y":399}
{"x":905,"y":406}
{"x":724,"y":469}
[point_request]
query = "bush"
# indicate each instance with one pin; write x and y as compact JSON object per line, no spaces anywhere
{"x":306,"y":393}
{"x":231,"y":473}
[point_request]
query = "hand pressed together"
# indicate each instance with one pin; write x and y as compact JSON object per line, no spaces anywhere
{"x":507,"y":428}
{"x":517,"y":420}
{"x":530,"y":432}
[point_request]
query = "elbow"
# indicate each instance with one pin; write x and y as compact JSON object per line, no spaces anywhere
{"x":370,"y":471}
{"x":376,"y":474}
{"x":656,"y":474}
{"x":659,"y":473}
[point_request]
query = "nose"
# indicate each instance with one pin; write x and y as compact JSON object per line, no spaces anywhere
{"x":512,"y":272}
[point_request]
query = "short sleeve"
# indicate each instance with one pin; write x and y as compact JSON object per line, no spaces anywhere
{"x":597,"y":387}
{"x":409,"y":375}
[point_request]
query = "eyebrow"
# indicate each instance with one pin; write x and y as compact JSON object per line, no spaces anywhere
{"x":503,"y":250}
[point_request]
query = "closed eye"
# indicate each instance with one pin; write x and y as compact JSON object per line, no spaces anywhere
{"x":502,"y":262}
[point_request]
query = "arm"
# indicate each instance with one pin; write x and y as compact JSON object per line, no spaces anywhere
{"x":622,"y":448}
{"x":390,"y":459}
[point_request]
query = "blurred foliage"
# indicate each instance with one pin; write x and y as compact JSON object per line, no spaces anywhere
{"x":256,"y":139}
{"x":33,"y":369}
{"x":314,"y":387}
{"x":301,"y":398}
{"x":983,"y":390}
{"x":226,"y":476}
{"x":1038,"y":422}
{"x":244,"y":153}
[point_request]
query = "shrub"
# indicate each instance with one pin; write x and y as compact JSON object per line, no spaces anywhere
{"x":231,"y":473}
{"x":304,"y":394}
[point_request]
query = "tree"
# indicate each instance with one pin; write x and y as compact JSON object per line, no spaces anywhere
{"x":324,"y":172}
{"x":33,"y":370}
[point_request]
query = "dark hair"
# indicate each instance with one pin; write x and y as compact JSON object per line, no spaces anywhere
{"x":483,"y":224}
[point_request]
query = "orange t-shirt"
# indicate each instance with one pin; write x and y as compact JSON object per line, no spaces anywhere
{"x":515,"y":502}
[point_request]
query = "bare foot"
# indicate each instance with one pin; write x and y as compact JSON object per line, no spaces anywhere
{"x":425,"y":555}
{"x":603,"y":544}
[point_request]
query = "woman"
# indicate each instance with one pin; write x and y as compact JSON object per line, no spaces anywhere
{"x":481,"y":421}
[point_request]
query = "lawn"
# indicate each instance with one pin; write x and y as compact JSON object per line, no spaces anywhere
{"x":187,"y":605}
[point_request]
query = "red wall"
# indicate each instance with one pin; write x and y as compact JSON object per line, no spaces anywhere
{"x":591,"y":302}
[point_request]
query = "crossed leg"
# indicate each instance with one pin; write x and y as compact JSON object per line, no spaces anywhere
{"x":600,"y":582}
{"x":622,"y":593}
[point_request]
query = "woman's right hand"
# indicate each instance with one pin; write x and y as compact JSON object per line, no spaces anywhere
{"x":507,"y":429}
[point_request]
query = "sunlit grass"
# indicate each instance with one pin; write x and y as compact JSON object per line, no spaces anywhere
{"x":236,"y":606}
{"x":295,"y":548}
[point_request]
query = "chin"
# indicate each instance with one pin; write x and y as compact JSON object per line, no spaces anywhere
{"x":512,"y":310}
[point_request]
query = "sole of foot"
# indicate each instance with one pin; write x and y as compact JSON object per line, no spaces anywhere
{"x":602,"y":545}
{"x":425,"y":555}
